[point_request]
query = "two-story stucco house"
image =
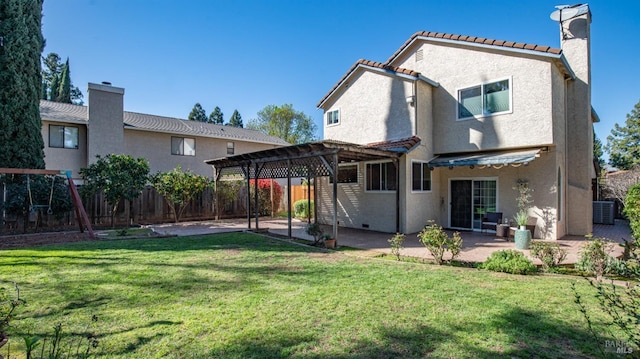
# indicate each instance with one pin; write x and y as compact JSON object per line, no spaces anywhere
{"x":74,"y":135}
{"x":486,"y":114}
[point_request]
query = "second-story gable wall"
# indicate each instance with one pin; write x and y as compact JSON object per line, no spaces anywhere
{"x":373,"y":108}
{"x":529,"y":121}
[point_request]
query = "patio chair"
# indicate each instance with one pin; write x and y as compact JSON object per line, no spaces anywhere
{"x":491,"y":220}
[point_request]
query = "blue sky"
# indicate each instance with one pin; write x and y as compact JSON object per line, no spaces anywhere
{"x":245,"y":55}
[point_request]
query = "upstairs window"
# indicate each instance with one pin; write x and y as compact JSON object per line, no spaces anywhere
{"x":485,"y":99}
{"x":381,"y":177}
{"x":63,"y":136}
{"x":231,"y":149}
{"x":420,"y":177}
{"x":183,"y":146}
{"x":333,"y":117}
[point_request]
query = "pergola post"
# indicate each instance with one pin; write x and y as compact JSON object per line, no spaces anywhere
{"x":396,"y":163}
{"x":216,"y":176}
{"x":255,"y":197}
{"x":335,"y":196}
{"x":248,"y":176}
{"x":315,"y":199}
{"x":309,"y":198}
{"x":289,"y":197}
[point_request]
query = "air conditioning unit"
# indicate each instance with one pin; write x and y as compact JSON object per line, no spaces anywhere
{"x":603,"y":212}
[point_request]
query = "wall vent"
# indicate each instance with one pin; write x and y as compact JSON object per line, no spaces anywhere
{"x":419,"y":55}
{"x":364,"y":225}
{"x":603,"y":212}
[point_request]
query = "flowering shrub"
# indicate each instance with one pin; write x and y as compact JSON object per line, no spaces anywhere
{"x":265,"y":206}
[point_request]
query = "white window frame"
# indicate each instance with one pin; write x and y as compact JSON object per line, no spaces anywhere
{"x":231,"y":148}
{"x":64,"y":136}
{"x":329,"y":114}
{"x":347,"y":183}
{"x":482,"y":93}
{"x":366,"y":179}
{"x":183,"y":149}
{"x":422,"y":190}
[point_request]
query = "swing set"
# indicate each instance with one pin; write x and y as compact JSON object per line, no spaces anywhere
{"x":81,"y":214}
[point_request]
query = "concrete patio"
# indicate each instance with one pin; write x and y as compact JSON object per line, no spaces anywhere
{"x":477,"y":247}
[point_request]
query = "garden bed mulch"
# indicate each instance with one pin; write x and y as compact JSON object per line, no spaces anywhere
{"x":47,"y":238}
{"x":39,"y":239}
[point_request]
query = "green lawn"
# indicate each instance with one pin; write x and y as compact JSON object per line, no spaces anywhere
{"x":246,"y":296}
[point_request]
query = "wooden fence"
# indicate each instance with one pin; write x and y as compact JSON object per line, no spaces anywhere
{"x":149,"y":207}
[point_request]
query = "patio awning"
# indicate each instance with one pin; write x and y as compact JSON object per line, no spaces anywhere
{"x":494,"y":159}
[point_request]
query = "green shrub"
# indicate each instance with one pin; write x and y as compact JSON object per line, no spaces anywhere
{"x":509,"y":261}
{"x":594,"y":257}
{"x":396,"y":244}
{"x":437,"y":242}
{"x":632,"y":210}
{"x":301,"y":208}
{"x":550,"y":254}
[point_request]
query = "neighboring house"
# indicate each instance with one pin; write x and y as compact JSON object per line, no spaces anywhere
{"x":486,"y":113}
{"x":74,"y":135}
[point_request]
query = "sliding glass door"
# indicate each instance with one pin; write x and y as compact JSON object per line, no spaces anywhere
{"x":470,"y":200}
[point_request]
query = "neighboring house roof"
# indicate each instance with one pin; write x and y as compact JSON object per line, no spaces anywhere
{"x":519,"y":47}
{"x":377,"y":67}
{"x":69,"y":113}
{"x":63,"y":112}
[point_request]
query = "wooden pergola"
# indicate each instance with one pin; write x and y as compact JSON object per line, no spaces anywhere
{"x":308,"y":160}
{"x":81,"y":214}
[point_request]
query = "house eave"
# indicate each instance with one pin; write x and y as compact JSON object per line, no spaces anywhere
{"x":387,"y":72}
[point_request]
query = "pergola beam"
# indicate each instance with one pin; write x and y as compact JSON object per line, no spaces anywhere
{"x":318,"y":159}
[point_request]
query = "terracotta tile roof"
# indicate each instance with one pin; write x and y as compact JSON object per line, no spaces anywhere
{"x":475,"y":40}
{"x":402,"y":145}
{"x":379,"y":65}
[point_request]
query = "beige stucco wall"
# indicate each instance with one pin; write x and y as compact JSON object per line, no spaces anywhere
{"x":579,"y":169}
{"x":373,"y":108}
{"x":65,"y":158}
{"x":544,"y":190}
{"x":105,"y":128}
{"x":357,"y":207}
{"x":156,"y":147}
{"x":530,"y":121}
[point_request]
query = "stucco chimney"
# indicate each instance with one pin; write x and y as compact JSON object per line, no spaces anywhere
{"x":105,"y":130}
{"x":575,"y":37}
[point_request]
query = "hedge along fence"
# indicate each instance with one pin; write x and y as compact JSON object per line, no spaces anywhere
{"x":149,"y":207}
{"x":632,"y":210}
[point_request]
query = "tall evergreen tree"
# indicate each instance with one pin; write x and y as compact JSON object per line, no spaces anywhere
{"x":235,"y":120}
{"x":44,"y":95}
{"x":53,"y":77}
{"x":54,"y":89}
{"x":597,"y":150}
{"x":623,"y":144}
{"x":198,"y":113}
{"x":21,"y":144}
{"x":216,"y":116}
{"x":64,"y":92}
{"x":51,"y":67}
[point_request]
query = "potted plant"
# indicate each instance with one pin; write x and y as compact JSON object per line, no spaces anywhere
{"x":522,"y":236}
{"x":329,"y":242}
{"x":521,"y":219}
{"x":314,"y":230}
